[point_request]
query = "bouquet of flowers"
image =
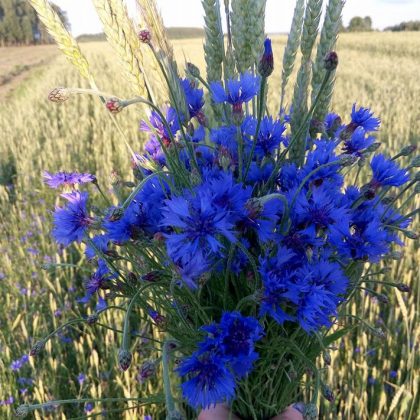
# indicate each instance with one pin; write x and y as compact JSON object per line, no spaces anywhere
{"x":245,"y":233}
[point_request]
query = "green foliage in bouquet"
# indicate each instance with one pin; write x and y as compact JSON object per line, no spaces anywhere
{"x":242,"y":239}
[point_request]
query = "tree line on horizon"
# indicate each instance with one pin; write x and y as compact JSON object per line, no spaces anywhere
{"x":20,"y":25}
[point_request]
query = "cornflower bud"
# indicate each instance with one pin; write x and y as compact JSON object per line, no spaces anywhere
{"x":379,"y":332}
{"x":383,"y":299}
{"x":124,"y":359}
{"x":411,"y":235}
{"x":132,"y":278}
{"x":407,"y":150}
{"x":396,"y":255}
{"x":327,"y":393}
{"x":415,"y":163}
{"x":152,"y":276}
{"x":116,"y":214}
{"x":114,"y":105}
{"x":92,"y":319}
{"x":59,"y":94}
{"x":146,"y":371}
{"x":22,"y":410}
{"x":193,"y":70}
{"x":266,"y":64}
{"x":348,"y":160}
{"x":331,"y":61}
{"x":327,"y":358}
{"x":145,"y":36}
{"x":402,"y":287}
{"x":37,"y":348}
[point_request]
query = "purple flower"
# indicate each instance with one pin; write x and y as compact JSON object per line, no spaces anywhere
{"x":387,"y":173}
{"x":193,"y":96}
{"x":363,"y":117}
{"x":209,"y":381}
{"x":358,"y":142}
{"x":67,"y":178}
{"x":81,"y":378}
{"x":71,"y":222}
{"x":237,"y":91}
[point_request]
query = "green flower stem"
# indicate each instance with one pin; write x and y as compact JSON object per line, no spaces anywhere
{"x":107,"y":201}
{"x":126,"y":333}
{"x":170,"y":404}
{"x":261,"y":107}
{"x":155,"y":399}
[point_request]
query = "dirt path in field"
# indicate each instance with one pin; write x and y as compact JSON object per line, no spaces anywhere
{"x":16,"y":64}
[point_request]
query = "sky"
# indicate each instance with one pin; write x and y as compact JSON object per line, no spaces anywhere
{"x":279,"y":13}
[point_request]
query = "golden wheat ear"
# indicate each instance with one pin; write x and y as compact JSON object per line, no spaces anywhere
{"x":62,"y":37}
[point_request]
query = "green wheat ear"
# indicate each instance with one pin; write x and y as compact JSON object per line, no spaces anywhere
{"x":214,"y":47}
{"x":62,"y":37}
{"x":292,"y":45}
{"x":327,"y":43}
{"x":300,"y":95}
{"x":247,"y":17}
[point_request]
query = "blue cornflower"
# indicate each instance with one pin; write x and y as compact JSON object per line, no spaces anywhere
{"x":154,"y":151}
{"x":332,"y":124}
{"x":358,"y":142}
{"x":277,"y":288}
{"x":71,"y":222}
{"x":237,"y":91}
{"x":262,"y":218}
{"x":259,"y":173}
{"x":269,"y":137}
{"x":319,"y":209}
{"x":363,"y":239}
{"x":234,"y":338}
{"x":386,"y":172}
{"x":363,"y":117}
{"x":191,"y":269}
{"x":193,"y":96}
{"x":160,"y":128}
{"x":67,"y":178}
{"x":290,"y":177}
{"x":199,"y":224}
{"x":142,"y":216}
{"x":324,"y":153}
{"x":210,"y":380}
{"x":226,"y":193}
{"x":322,"y":285}
{"x":100,"y":242}
{"x":81,"y":378}
{"x":99,"y":280}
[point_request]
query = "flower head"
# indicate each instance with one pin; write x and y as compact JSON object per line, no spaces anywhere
{"x":237,"y":91}
{"x":387,"y":173}
{"x":363,"y":117}
{"x":71,"y":222}
{"x":67,"y":178}
{"x":358,"y":142}
{"x":193,"y":96}
{"x":209,"y":381}
{"x":266,"y":64}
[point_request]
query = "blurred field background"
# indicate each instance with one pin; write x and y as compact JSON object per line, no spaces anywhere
{"x":372,"y":378}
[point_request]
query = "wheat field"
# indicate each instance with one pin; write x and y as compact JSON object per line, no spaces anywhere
{"x":372,"y":378}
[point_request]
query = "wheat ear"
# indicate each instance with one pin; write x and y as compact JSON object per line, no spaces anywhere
{"x":214,"y":47}
{"x":327,"y":43}
{"x":300,"y":96}
{"x":292,"y":45}
{"x":62,"y":37}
